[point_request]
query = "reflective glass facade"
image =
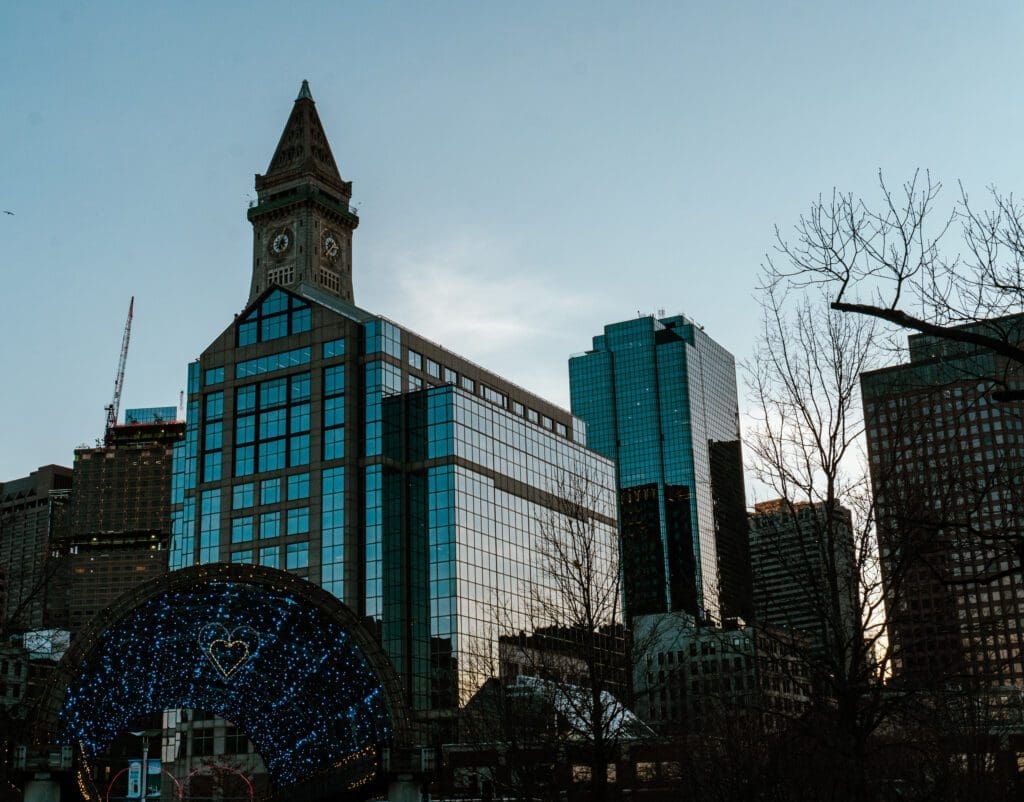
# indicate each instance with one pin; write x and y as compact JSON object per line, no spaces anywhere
{"x":407,"y":481}
{"x":659,"y":398}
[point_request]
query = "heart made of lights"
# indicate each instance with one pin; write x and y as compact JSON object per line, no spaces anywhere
{"x":228,"y":651}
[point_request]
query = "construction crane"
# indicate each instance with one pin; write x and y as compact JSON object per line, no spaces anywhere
{"x":115,"y":406}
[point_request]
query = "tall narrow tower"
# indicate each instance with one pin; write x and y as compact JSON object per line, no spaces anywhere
{"x":302,"y":222}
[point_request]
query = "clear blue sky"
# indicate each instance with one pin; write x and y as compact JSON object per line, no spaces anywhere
{"x":541,"y":168}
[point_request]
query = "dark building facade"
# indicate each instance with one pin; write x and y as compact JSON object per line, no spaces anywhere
{"x":945,"y":464}
{"x":659,"y":397}
{"x":32,"y":509}
{"x":118,"y":527}
{"x":695,"y":678}
{"x":806,"y":574}
{"x":328,"y":441}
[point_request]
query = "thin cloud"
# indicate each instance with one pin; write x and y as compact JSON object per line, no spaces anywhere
{"x":471,"y":297}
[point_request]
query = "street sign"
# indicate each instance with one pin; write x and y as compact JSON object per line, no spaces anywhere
{"x":153,"y":778}
{"x":134,"y":779}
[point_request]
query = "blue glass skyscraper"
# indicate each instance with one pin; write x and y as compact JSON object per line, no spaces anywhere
{"x":659,"y":397}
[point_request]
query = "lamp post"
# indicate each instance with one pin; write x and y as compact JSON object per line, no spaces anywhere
{"x":144,"y":783}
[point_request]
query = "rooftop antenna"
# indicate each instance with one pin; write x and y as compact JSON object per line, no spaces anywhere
{"x":115,"y":405}
{"x":181,"y":405}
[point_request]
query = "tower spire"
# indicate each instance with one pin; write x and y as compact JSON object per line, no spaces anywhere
{"x":302,"y":221}
{"x":303,"y":150}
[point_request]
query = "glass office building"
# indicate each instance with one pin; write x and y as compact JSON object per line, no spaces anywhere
{"x":327,"y":441}
{"x":659,"y":397}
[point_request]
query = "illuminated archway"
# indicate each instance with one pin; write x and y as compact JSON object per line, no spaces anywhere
{"x":282,"y":659}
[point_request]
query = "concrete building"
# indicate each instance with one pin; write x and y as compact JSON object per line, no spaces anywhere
{"x":946,"y":463}
{"x":659,"y":397}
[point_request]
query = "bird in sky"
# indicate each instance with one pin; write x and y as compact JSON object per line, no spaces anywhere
{"x":8,"y":212}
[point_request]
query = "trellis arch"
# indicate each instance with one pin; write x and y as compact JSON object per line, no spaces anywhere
{"x":282,"y":659}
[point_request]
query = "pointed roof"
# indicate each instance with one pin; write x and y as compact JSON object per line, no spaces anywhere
{"x":303,"y":149}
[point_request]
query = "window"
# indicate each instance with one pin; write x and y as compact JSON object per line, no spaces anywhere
{"x":214,"y":376}
{"x":270,"y":491}
{"x":298,"y":521}
{"x":247,"y":333}
{"x":416,"y":360}
{"x":334,"y":443}
{"x":468,"y":384}
{"x":273,"y":423}
{"x":270,"y":524}
{"x":298,"y":450}
{"x":266,"y":364}
{"x":272,"y":455}
{"x":202,"y":741}
{"x":277,"y":316}
{"x":298,"y":556}
{"x":298,"y":486}
{"x":450,"y":376}
{"x":493,"y":395}
{"x":245,"y":461}
{"x":300,"y":387}
{"x":415,"y":383}
{"x":433,"y":369}
{"x":279,"y":408}
{"x":215,"y":405}
{"x":274,"y":393}
{"x":245,"y":398}
{"x":270,"y":557}
{"x":302,"y":320}
{"x":334,"y":380}
{"x":383,"y":335}
{"x":241,"y":529}
{"x":211,"y":466}
{"x":334,"y":411}
{"x":235,"y":742}
{"x":334,"y":348}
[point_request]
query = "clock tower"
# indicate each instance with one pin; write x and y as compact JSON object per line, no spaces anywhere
{"x":302,"y":221}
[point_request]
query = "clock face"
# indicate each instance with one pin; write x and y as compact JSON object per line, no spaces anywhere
{"x":330,"y":245}
{"x":280,"y":242}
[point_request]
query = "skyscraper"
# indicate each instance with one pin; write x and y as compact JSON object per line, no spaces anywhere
{"x":32,"y":510}
{"x":659,"y":397}
{"x":805,"y":573}
{"x":327,"y":440}
{"x":946,"y":464}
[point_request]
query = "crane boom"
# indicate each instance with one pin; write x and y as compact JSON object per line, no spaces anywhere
{"x":115,"y":405}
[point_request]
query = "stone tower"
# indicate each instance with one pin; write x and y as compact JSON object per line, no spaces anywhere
{"x":302,"y":222}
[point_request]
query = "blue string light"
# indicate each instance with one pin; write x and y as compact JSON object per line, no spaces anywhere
{"x":281,"y":670}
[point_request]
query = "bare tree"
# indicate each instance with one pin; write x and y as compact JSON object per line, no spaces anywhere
{"x":579,"y":598}
{"x":901,"y":262}
{"x":560,"y":691}
{"x":806,"y":443}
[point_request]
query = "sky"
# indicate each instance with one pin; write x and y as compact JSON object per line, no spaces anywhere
{"x":525,"y":172}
